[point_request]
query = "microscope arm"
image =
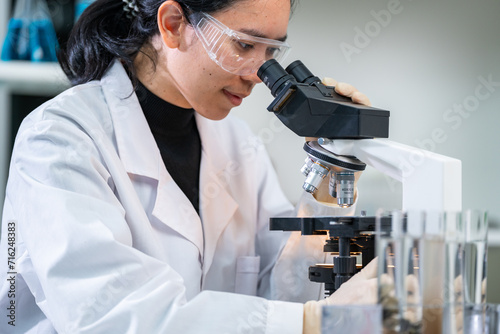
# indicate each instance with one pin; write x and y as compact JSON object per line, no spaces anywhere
{"x":430,"y":181}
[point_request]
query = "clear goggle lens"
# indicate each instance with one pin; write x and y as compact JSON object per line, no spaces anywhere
{"x":234,"y":51}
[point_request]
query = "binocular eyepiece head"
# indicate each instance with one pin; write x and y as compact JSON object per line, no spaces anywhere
{"x":312,"y":109}
{"x":275,"y":77}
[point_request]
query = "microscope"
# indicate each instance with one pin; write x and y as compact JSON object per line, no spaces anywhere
{"x":350,"y":137}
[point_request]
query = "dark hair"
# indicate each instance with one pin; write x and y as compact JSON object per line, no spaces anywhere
{"x":105,"y":32}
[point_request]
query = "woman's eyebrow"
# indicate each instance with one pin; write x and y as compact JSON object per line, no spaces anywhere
{"x":256,"y":33}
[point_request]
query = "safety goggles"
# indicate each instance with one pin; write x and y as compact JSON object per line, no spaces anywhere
{"x":234,"y":51}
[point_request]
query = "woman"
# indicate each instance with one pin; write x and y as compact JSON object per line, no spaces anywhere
{"x":136,"y":205}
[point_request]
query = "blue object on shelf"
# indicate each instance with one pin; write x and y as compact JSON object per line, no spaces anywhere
{"x":30,"y":33}
{"x":80,"y":6}
{"x":43,"y":41}
{"x":16,"y":44}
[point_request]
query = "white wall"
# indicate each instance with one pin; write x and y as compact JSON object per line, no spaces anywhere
{"x":422,"y":60}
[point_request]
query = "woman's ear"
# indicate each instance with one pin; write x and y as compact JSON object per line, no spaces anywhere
{"x":170,"y":23}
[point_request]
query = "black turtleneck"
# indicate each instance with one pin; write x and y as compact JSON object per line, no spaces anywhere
{"x":177,"y":137}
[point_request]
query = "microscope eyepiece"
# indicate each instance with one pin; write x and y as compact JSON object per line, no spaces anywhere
{"x":274,"y":76}
{"x":301,"y":73}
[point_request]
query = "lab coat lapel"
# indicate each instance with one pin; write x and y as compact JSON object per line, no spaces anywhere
{"x":217,"y":205}
{"x":140,"y":156}
{"x":173,"y":208}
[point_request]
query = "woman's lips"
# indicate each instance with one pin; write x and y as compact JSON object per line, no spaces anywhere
{"x":234,"y":99}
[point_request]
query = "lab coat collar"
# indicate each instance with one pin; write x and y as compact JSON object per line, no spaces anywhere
{"x":136,"y":145}
{"x":140,"y":155}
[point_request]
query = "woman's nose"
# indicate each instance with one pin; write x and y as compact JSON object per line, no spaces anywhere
{"x":252,"y":77}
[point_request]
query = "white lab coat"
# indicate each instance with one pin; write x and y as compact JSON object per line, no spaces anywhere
{"x":106,"y":242}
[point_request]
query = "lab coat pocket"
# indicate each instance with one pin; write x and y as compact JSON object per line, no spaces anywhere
{"x":247,"y":273}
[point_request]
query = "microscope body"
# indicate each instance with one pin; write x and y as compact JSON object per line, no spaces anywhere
{"x":311,"y":109}
{"x":351,"y":136}
{"x":343,"y":119}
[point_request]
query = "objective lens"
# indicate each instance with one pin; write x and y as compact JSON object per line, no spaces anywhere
{"x":306,"y":168}
{"x":345,"y":189}
{"x":316,"y":174}
{"x":274,"y":76}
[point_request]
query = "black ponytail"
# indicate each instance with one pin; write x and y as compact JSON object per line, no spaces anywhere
{"x":105,"y":31}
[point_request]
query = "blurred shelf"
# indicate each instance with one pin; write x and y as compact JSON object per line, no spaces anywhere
{"x":32,"y":78}
{"x":494,"y":237}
